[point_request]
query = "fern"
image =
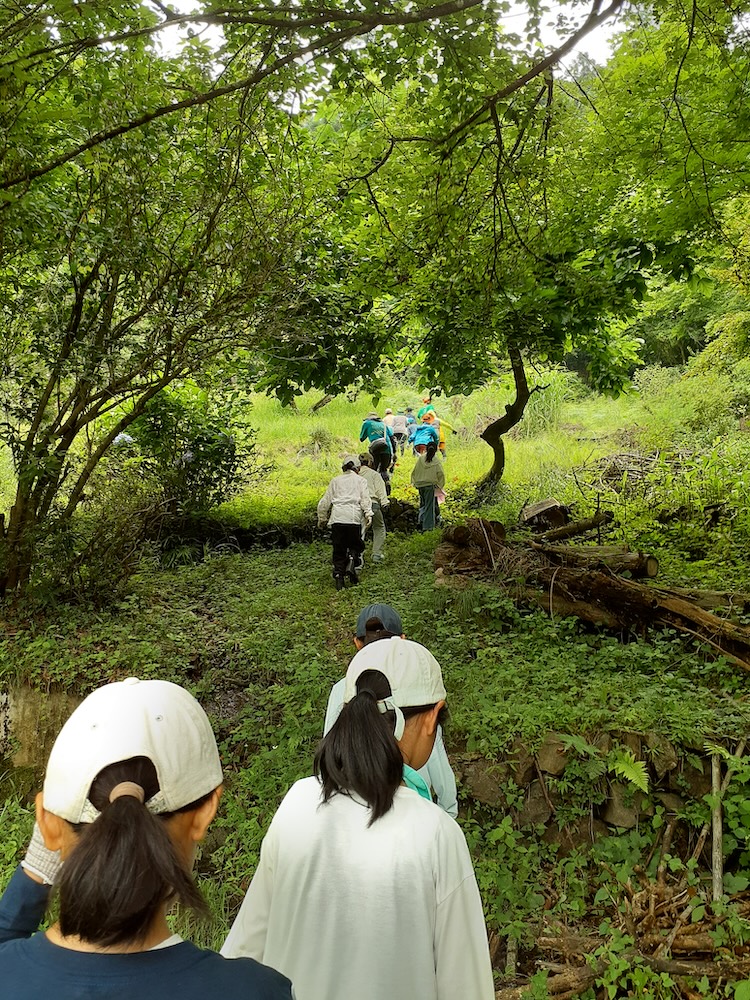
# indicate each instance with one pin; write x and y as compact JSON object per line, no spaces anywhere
{"x":573,"y":742}
{"x":624,"y":764}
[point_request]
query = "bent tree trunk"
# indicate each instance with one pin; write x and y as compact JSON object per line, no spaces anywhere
{"x":493,"y":434}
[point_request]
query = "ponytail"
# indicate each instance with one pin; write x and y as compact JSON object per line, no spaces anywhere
{"x":124,"y":866}
{"x":360,"y":753}
{"x":431,"y":451}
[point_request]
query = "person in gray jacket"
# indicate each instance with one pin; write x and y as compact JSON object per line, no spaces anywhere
{"x":379,"y":500}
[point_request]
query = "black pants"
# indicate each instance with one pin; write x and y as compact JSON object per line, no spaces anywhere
{"x":347,"y":540}
{"x":382,"y":460}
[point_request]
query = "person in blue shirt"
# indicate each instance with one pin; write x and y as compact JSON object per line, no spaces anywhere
{"x":425,"y":434}
{"x":132,"y":784}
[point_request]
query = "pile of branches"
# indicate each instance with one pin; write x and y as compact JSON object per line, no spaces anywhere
{"x":662,"y":921}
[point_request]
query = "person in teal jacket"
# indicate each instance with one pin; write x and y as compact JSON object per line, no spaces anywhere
{"x":382,"y":446}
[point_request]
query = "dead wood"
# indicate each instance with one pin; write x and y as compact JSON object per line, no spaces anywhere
{"x":615,"y":557}
{"x":709,"y":600}
{"x":562,"y":580}
{"x":578,"y":527}
{"x":630,"y":604}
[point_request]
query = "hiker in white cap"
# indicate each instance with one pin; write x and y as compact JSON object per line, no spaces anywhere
{"x":365,"y":888}
{"x":378,"y":623}
{"x":132,"y":784}
{"x":346,"y":508}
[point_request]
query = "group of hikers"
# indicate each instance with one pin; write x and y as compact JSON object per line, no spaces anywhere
{"x":364,"y":889}
{"x":355,"y":500}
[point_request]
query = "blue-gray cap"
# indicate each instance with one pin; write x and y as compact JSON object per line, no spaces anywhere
{"x":389,"y":619}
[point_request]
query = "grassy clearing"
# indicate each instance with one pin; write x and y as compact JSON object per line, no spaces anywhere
{"x":304,"y":449}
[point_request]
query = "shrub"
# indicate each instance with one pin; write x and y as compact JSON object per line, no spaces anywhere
{"x":197,"y":450}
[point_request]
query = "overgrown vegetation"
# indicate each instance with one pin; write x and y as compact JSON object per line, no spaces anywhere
{"x":242,"y":632}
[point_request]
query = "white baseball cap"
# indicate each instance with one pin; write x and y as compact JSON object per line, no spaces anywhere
{"x":412,"y":671}
{"x":133,"y":718}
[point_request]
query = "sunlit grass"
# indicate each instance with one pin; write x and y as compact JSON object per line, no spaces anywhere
{"x":7,"y":479}
{"x":304,"y":449}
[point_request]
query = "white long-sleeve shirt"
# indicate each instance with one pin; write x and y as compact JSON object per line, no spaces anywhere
{"x":346,"y":501}
{"x":437,"y":772}
{"x":375,"y":485}
{"x":355,"y":912}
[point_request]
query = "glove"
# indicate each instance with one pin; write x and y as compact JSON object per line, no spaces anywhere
{"x":368,"y":523}
{"x":40,"y":861}
{"x":322,"y":524}
{"x":455,"y":432}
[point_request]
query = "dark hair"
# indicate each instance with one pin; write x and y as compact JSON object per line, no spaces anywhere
{"x":124,"y":866}
{"x":360,"y":753}
{"x":431,"y":451}
{"x":374,"y":630}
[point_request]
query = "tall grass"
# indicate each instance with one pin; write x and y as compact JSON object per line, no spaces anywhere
{"x":304,"y":448}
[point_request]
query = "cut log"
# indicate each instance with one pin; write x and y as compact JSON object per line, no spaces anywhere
{"x":569,"y":585}
{"x":544,"y":515}
{"x":615,"y":557}
{"x":579,"y":527}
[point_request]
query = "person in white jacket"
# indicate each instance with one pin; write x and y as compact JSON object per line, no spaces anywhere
{"x":346,"y":508}
{"x":365,"y":888}
{"x":381,"y":622}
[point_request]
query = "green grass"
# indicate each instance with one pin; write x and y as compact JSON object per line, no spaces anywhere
{"x":304,"y":449}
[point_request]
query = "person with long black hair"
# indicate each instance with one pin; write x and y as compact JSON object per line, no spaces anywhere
{"x":365,"y":889}
{"x":132,"y":784}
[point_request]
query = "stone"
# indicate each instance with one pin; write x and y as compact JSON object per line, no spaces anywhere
{"x":625,"y":807}
{"x":633,"y":743}
{"x":483,"y":779}
{"x":30,"y":720}
{"x":535,"y":808}
{"x":521,"y":764}
{"x":663,"y":754}
{"x":551,"y":756}
{"x":671,"y":802}
{"x":579,"y":834}
{"x":690,"y":780}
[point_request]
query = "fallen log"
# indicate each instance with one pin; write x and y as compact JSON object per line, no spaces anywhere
{"x":709,"y":600}
{"x":568,"y":584}
{"x":629,"y":604}
{"x":618,"y":558}
{"x":578,"y":527}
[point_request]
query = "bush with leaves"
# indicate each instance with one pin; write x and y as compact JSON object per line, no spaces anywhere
{"x":196,"y":448}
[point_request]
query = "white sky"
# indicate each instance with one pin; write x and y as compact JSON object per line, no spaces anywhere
{"x":596,"y":44}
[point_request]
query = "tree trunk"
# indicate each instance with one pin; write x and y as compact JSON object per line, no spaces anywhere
{"x":493,"y":434}
{"x":323,"y":401}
